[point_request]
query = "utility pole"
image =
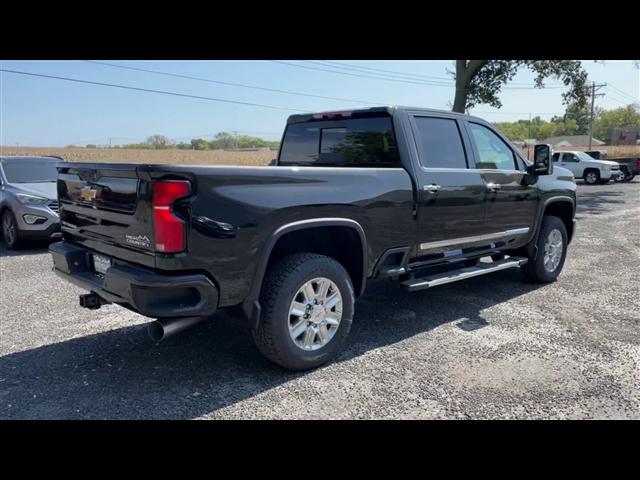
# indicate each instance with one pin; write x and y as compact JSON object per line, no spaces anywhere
{"x":593,"y":99}
{"x":529,"y":139}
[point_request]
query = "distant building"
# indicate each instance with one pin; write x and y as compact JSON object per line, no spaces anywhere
{"x":572,"y":141}
{"x":625,"y":136}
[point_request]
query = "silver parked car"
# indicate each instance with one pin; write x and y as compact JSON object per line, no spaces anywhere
{"x":28,"y":199}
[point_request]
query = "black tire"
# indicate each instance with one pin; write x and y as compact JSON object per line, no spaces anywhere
{"x":10,"y":230}
{"x":591,"y":179}
{"x":281,"y":284}
{"x":628,"y":176}
{"x":534,"y":270}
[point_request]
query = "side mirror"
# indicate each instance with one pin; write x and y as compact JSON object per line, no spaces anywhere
{"x":273,"y":161}
{"x":542,"y":164}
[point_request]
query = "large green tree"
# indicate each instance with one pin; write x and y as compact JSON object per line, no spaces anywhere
{"x":480,"y":81}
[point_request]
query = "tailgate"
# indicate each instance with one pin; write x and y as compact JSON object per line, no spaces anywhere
{"x":107,"y":208}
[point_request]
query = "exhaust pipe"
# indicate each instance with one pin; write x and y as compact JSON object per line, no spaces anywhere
{"x":165,"y":327}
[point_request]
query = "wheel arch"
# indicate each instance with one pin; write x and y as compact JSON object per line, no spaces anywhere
{"x":563,"y":207}
{"x":299,"y":233}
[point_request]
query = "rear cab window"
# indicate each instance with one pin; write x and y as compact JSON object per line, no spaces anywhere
{"x":348,"y":142}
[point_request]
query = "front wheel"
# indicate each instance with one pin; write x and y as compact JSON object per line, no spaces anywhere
{"x":307,"y":309}
{"x":592,"y":177}
{"x":551,"y":253}
{"x":10,"y":231}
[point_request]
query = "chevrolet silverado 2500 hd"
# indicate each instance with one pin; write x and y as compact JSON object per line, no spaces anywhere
{"x":423,"y":197}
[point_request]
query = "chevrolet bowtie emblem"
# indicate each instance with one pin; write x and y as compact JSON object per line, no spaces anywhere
{"x":87,"y":193}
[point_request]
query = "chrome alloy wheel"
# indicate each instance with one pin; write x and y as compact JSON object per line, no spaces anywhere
{"x":315,"y":314}
{"x":591,"y":177}
{"x":553,"y":250}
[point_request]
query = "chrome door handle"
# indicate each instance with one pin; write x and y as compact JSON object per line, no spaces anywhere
{"x":431,"y":188}
{"x":493,"y":187}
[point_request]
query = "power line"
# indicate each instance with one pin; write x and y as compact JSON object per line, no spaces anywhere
{"x":620,"y":96}
{"x":635,"y":99}
{"x":358,"y":75}
{"x":148,"y":90}
{"x":391,"y":79}
{"x":402,"y":76}
{"x":352,"y":66}
{"x":621,"y":101}
{"x":209,"y":80}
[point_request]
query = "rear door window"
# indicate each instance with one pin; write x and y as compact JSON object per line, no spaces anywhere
{"x":361,"y":142}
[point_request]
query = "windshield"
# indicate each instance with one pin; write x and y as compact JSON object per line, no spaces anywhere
{"x":30,"y":170}
{"x":584,"y":157}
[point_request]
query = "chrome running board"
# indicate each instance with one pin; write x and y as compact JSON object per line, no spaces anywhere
{"x":422,"y":283}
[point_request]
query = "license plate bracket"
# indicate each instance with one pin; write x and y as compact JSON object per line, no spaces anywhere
{"x":101,"y":263}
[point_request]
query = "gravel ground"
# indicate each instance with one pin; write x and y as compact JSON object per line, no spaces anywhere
{"x":489,"y":347}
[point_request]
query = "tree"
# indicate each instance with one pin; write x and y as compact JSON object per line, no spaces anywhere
{"x":581,"y":116}
{"x":199,"y":144}
{"x":225,"y":140}
{"x":623,"y":117}
{"x":480,"y":81}
{"x":158,"y":141}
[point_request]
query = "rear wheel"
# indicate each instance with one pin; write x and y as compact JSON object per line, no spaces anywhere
{"x":592,"y":177}
{"x":307,"y":309}
{"x":551,"y":252}
{"x":10,"y":231}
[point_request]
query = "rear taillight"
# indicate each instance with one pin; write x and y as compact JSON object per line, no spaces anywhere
{"x":169,"y":229}
{"x":638,"y":162}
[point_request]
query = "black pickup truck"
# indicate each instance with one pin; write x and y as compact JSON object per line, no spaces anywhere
{"x":420,"y":196}
{"x":629,"y":166}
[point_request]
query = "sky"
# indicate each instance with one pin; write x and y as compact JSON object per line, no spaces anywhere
{"x":37,"y":111}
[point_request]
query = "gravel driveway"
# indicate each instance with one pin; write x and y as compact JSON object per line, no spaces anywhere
{"x":489,"y":347}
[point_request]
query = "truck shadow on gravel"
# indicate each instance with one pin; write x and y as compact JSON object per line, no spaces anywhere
{"x":598,"y":202}
{"x":121,"y":374}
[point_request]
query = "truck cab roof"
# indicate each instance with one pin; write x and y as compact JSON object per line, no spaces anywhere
{"x":373,"y":111}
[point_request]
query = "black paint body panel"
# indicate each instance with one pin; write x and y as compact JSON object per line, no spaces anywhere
{"x":233,"y":212}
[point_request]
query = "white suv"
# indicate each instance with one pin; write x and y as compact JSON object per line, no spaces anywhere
{"x":586,"y":167}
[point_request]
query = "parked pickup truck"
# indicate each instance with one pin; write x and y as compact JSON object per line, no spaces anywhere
{"x":629,"y":166}
{"x":584,"y":166}
{"x":422,"y":197}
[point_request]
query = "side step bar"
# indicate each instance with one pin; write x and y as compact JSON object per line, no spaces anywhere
{"x":422,"y":283}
